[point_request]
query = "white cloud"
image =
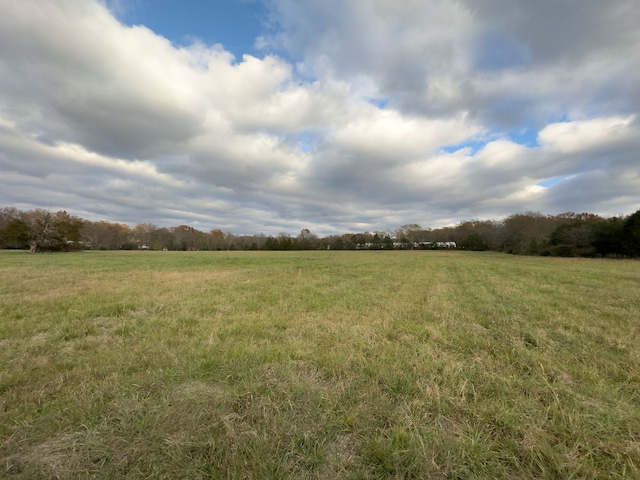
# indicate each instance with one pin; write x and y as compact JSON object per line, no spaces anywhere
{"x":73,"y":73}
{"x":588,"y":135}
{"x":503,"y":60}
{"x":348,"y":126}
{"x":388,"y":134}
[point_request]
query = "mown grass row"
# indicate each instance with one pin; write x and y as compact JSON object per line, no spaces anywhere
{"x":318,"y":365}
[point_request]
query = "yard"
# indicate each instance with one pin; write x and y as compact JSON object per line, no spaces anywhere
{"x":353,"y":365}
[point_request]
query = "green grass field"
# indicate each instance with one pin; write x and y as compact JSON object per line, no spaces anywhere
{"x":256,"y":365}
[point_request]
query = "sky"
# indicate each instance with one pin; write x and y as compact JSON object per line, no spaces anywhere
{"x":271,"y":116}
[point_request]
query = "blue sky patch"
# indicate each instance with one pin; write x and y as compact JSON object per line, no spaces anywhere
{"x":473,"y":145}
{"x":305,"y":141}
{"x":524,"y":136}
{"x":552,"y":182}
{"x":380,"y":103}
{"x":233,"y":23}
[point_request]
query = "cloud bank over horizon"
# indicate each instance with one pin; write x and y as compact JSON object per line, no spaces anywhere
{"x":357,"y":115}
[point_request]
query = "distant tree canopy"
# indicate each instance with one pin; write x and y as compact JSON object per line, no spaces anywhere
{"x":530,"y":233}
{"x":39,"y":230}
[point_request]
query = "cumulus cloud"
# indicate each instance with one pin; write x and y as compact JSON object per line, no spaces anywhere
{"x":588,"y":135}
{"x":360,"y":115}
{"x":489,"y":57}
{"x":75,"y":74}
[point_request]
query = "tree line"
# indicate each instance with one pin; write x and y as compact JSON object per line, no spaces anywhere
{"x":532,"y":233}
